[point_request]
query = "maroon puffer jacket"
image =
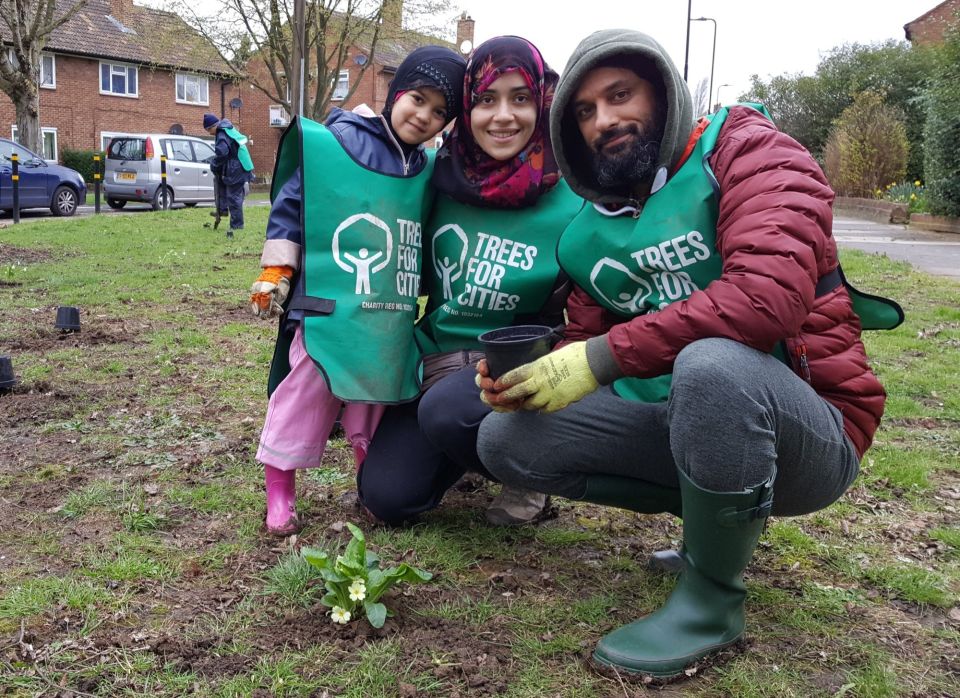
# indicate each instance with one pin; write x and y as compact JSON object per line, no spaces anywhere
{"x":774,"y":236}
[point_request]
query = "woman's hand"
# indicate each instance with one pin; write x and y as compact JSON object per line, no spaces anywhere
{"x":490,"y":391}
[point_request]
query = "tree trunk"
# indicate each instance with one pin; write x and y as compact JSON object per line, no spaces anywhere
{"x":27,"y":106}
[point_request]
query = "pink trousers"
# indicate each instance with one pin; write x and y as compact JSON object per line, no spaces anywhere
{"x":301,"y":414}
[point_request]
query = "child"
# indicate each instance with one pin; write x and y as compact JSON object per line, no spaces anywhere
{"x":344,"y":231}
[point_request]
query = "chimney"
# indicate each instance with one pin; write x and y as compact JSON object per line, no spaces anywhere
{"x":392,"y":15}
{"x":121,"y":10}
{"x":464,"y":32}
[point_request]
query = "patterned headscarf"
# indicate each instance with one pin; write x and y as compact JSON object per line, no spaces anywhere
{"x":463,"y":170}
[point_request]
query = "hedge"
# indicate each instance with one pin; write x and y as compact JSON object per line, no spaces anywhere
{"x":942,"y":132}
{"x":81,"y":161}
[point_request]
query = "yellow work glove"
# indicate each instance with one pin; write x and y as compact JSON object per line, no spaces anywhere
{"x":551,"y":382}
{"x":269,"y":291}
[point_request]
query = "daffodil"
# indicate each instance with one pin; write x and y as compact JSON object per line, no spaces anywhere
{"x":340,"y":615}
{"x":913,"y":197}
{"x":357,"y":590}
{"x":917,"y":183}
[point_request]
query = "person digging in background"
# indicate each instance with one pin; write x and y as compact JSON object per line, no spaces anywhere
{"x":712,"y":364}
{"x":343,"y":343}
{"x":232,"y":166}
{"x":499,"y":191}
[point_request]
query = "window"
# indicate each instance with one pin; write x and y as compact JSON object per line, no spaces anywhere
{"x":177,"y":149}
{"x":278,"y":115}
{"x":127,"y":148}
{"x":118,"y":79}
{"x":49,"y":142}
{"x":48,"y":71}
{"x":192,"y":89}
{"x":202,"y":152}
{"x":342,"y":86}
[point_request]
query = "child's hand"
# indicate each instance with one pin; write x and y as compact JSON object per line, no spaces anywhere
{"x":269,"y":292}
{"x":489,"y":393}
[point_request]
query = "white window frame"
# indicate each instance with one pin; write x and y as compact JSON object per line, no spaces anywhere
{"x":126,"y":67}
{"x":338,"y":96}
{"x":44,"y":132}
{"x":52,"y":85}
{"x":205,"y":83}
{"x":278,"y":116}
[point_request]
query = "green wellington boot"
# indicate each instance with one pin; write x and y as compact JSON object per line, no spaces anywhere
{"x":705,"y":611}
{"x":642,"y":497}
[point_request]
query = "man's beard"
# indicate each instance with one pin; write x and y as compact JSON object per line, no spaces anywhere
{"x":623,"y":169}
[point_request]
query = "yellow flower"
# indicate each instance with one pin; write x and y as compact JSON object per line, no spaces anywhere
{"x":917,"y":183}
{"x":912,"y":197}
{"x":340,"y":615}
{"x":358,"y":590}
{"x":879,"y":192}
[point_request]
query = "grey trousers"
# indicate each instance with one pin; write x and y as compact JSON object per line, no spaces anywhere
{"x":735,"y":418}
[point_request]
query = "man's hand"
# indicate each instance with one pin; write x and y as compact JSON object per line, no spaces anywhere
{"x":548,"y":384}
{"x":269,"y":292}
{"x":488,"y":392}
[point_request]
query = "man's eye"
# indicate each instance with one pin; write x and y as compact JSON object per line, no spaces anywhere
{"x":621,"y":95}
{"x":582,"y":113}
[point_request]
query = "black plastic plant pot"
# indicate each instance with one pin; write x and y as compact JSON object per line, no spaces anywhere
{"x":7,"y":379}
{"x":68,"y":318}
{"x":509,"y":347}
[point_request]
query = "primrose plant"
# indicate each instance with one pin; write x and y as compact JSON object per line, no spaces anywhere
{"x":355,"y":581}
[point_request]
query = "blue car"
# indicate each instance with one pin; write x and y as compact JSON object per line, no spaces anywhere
{"x":42,"y":185}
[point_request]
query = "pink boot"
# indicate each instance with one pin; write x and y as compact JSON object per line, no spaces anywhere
{"x":281,"y":501}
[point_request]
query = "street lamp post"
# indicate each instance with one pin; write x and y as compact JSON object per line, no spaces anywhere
{"x":713,"y":56}
{"x":726,"y":84}
{"x":686,"y":53}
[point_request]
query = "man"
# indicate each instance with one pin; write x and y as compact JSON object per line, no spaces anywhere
{"x":232,"y":166}
{"x":712,"y":363}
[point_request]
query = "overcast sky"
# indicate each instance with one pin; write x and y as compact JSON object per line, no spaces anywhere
{"x":767,"y":38}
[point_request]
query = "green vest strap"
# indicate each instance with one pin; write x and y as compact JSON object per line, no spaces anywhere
{"x":243,"y":154}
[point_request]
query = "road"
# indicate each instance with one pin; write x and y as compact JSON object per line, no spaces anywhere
{"x":935,"y":253}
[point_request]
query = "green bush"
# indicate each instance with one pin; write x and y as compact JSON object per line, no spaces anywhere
{"x":81,"y":161}
{"x":942,"y":136}
{"x":867,"y":147}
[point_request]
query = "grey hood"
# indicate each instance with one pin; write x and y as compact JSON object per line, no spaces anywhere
{"x":571,"y":151}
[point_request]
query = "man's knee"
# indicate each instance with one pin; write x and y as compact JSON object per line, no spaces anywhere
{"x":494,"y":448}
{"x":715,"y":362}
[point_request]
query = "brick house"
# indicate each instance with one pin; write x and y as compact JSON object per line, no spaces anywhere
{"x":266,"y":119}
{"x":119,"y":68}
{"x":931,"y":26}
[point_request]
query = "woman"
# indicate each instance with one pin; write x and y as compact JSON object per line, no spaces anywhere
{"x":489,"y":262}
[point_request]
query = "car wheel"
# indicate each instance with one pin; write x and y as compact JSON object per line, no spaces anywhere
{"x":64,"y":201}
{"x":116,"y":204}
{"x":159,"y":196}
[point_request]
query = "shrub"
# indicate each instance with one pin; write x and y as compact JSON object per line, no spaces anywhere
{"x":81,"y":161}
{"x":867,"y":147}
{"x":942,"y":136}
{"x":913,"y":194}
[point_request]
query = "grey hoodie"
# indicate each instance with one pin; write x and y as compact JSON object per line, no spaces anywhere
{"x":571,"y":151}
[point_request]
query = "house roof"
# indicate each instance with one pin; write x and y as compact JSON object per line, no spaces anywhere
{"x":392,"y":50}
{"x":143,"y":35}
{"x":932,"y":14}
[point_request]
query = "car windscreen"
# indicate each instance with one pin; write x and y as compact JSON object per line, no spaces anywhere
{"x":126,"y":149}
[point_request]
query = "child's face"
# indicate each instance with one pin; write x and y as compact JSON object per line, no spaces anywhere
{"x":418,"y":115}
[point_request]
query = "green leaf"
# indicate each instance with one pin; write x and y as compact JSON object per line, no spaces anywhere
{"x":316,"y":557}
{"x":373,"y":560}
{"x":376,"y":613}
{"x":388,"y":577}
{"x":355,"y":556}
{"x":330,"y":599}
{"x":357,"y":533}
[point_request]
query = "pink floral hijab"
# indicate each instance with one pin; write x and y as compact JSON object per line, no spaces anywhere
{"x":463,"y":170}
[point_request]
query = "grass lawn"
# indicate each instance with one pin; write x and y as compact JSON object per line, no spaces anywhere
{"x":132,"y":561}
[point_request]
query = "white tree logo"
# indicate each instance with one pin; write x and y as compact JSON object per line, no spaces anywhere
{"x":628,"y":302}
{"x":449,"y":271}
{"x":362,"y":263}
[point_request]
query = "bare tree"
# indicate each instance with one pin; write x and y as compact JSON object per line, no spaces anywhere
{"x":701,"y":100}
{"x":26,"y":25}
{"x":251,"y":33}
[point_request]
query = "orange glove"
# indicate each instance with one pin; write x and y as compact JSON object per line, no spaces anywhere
{"x":269,"y":291}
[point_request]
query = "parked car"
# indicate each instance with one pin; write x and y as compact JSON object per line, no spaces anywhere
{"x":132,"y":170}
{"x":42,"y":184}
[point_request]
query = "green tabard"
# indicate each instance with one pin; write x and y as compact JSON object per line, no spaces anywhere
{"x":361,"y":266}
{"x":243,"y":154}
{"x":485,"y":267}
{"x":633,"y":266}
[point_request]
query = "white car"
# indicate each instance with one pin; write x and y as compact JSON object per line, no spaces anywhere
{"x":132,"y":170}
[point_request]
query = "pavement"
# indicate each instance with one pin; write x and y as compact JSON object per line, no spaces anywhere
{"x":935,"y":253}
